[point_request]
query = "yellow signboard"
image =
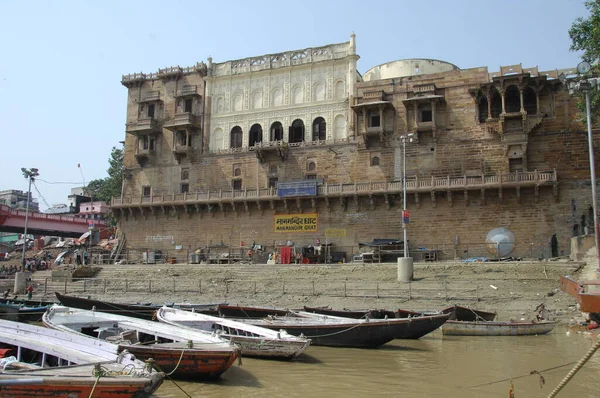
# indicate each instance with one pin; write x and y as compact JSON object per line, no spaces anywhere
{"x":335,"y":232}
{"x":295,"y":222}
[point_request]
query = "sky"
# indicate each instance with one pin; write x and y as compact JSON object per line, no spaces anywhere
{"x":61,"y":62}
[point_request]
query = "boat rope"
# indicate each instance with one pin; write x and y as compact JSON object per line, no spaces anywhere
{"x":334,"y":333}
{"x":521,"y":376}
{"x":575,"y":369}
{"x":168,"y":375}
{"x":178,"y":363}
{"x":95,"y":384}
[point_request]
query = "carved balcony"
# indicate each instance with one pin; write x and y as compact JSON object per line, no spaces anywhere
{"x":183,"y":120}
{"x":144,"y":126}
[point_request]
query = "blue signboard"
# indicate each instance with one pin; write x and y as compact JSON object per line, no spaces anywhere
{"x":297,"y":188}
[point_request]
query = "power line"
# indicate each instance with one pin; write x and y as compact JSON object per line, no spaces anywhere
{"x":40,"y":194}
{"x":59,"y":182}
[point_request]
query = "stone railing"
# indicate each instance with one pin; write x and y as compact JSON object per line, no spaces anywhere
{"x":273,"y":144}
{"x":413,"y":185}
{"x":271,"y":61}
{"x":187,"y":90}
{"x":143,"y":125}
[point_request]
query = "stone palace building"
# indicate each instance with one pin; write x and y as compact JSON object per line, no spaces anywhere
{"x":299,"y":146}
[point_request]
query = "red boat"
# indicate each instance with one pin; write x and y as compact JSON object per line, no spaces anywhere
{"x":76,"y":381}
{"x":588,"y":302}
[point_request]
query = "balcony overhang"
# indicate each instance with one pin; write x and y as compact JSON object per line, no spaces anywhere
{"x":264,"y":149}
{"x":423,"y":99}
{"x":372,"y":104}
{"x":183,"y":120}
{"x":188,"y":91}
{"x":143,"y":126}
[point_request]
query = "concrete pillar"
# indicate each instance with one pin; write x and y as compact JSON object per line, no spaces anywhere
{"x":405,"y":269}
{"x":21,"y":282}
{"x":503,"y":102}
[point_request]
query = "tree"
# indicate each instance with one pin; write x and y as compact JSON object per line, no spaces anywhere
{"x":105,"y":188}
{"x":585,"y":36}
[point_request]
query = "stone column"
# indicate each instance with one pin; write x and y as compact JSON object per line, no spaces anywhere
{"x":433,"y":123}
{"x":503,"y":102}
{"x":521,"y":99}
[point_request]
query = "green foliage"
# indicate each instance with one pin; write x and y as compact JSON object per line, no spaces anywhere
{"x":585,"y":37}
{"x":105,"y":188}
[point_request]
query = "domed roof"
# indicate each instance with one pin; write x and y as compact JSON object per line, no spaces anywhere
{"x":408,"y":67}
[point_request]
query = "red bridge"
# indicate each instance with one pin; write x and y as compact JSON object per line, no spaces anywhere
{"x":46,"y":224}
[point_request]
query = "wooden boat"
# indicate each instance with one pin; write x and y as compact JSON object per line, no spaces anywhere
{"x":356,"y":314}
{"x":186,"y":353}
{"x":17,"y":311}
{"x":588,"y":301}
{"x":253,"y":340}
{"x":9,"y":312}
{"x":495,"y":328}
{"x":42,"y":362}
{"x":238,"y":311}
{"x":458,"y":313}
{"x":141,"y":311}
{"x":335,"y":331}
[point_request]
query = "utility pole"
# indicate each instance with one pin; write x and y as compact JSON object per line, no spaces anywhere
{"x":30,"y":174}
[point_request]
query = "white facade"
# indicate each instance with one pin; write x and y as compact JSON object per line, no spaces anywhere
{"x":296,"y":85}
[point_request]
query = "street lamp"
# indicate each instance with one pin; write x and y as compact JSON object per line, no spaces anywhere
{"x":30,"y":174}
{"x":585,"y":86}
{"x":408,"y":137}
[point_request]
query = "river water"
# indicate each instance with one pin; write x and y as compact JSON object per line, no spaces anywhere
{"x":434,"y":366}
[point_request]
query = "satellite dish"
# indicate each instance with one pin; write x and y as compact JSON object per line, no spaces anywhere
{"x":500,"y":242}
{"x":583,"y":67}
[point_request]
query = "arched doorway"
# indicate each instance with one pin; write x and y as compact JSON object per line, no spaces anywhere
{"x":482,"y":107}
{"x":296,"y":131}
{"x":255,"y":135}
{"x":319,"y":128}
{"x":529,"y":101}
{"x":496,"y":101}
{"x":512,"y":99}
{"x":236,"y":137}
{"x":276,"y":132}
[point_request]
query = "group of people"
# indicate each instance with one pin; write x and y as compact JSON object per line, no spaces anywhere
{"x":81,"y":256}
{"x":6,"y":272}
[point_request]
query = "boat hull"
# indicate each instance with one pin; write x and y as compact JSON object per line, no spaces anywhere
{"x":588,"y":301}
{"x":262,"y":348}
{"x":183,"y":362}
{"x":463,"y":328}
{"x":32,"y":385}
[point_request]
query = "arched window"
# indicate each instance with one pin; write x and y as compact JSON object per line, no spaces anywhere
{"x":512,"y":99}
{"x":236,"y":137}
{"x":297,"y":95}
{"x":496,"y":100}
{"x":375,"y":161}
{"x":339,"y":124}
{"x":273,"y":169}
{"x":311,"y":166}
{"x":277,"y":97}
{"x":238,"y":102}
{"x":340,"y":90}
{"x":220,"y":105}
{"x":319,"y":129}
{"x":482,"y":107}
{"x":319,"y":92}
{"x":297,"y":131}
{"x":529,"y":101}
{"x":276,"y":132}
{"x":255,"y":135}
{"x":237,"y":172}
{"x":216,"y":142}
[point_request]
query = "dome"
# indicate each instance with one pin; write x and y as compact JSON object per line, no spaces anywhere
{"x":408,"y":67}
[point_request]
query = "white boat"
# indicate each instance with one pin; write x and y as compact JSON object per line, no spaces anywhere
{"x":188,"y":353}
{"x":253,"y":340}
{"x":45,"y":362}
